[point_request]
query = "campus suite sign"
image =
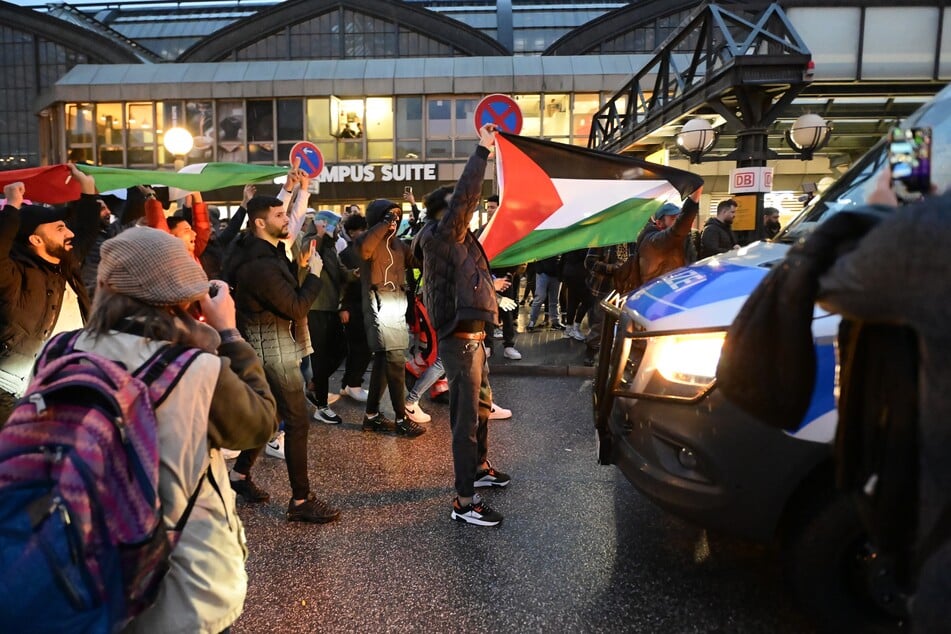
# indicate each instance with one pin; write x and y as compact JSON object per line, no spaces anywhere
{"x":392,"y":173}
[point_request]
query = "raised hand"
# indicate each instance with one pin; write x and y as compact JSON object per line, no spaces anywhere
{"x":87,"y":184}
{"x":249,"y":192}
{"x":14,"y":193}
{"x":219,"y":310}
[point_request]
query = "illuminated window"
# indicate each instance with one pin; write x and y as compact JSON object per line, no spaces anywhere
{"x":231,"y":132}
{"x":556,"y":123}
{"x":531,"y":114}
{"x":80,"y":131}
{"x":319,"y":130}
{"x":586,"y":106}
{"x":347,"y":115}
{"x":109,"y":134}
{"x":140,"y":132}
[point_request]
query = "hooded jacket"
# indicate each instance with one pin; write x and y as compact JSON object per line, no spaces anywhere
{"x":660,"y":251}
{"x":385,"y":257}
{"x":271,"y":305}
{"x":457,"y":284}
{"x":31,"y":290}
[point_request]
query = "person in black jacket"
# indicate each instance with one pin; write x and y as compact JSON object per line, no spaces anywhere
{"x":385,"y":259}
{"x":577,"y":297}
{"x":460,"y":295}
{"x":272,"y":308}
{"x":41,"y":287}
{"x":351,"y":315}
{"x":717,"y":236}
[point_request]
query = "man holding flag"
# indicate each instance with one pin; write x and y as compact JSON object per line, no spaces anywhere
{"x":460,"y":295}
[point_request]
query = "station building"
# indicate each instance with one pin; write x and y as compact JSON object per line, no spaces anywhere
{"x":387,"y":88}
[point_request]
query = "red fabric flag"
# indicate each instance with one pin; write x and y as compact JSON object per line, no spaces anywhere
{"x":53,"y":184}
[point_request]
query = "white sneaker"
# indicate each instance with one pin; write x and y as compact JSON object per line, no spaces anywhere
{"x":230,"y":454}
{"x":488,"y":352}
{"x":576,"y":333}
{"x":497,"y":334}
{"x":416,"y":414}
{"x":499,"y":413}
{"x":512,"y":353}
{"x":356,"y":393}
{"x":275,"y":446}
{"x":332,"y":398}
{"x":568,"y":333}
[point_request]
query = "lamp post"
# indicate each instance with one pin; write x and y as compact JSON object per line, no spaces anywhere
{"x":696,"y":138}
{"x":808,"y":133}
{"x":179,"y":142}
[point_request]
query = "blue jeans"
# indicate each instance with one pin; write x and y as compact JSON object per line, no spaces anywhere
{"x":425,"y":381}
{"x":546,"y":287}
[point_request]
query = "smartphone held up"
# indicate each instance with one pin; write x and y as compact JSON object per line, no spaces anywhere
{"x":909,"y":156}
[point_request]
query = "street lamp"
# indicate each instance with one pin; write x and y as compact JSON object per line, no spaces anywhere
{"x":808,"y":133}
{"x":696,"y":138}
{"x":179,"y":142}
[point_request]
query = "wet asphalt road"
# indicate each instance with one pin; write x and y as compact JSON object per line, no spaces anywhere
{"x":579,"y":551}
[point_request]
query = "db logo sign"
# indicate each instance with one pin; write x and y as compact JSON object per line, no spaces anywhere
{"x":749,"y":180}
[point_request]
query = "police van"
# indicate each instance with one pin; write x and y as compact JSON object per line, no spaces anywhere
{"x":662,"y":421}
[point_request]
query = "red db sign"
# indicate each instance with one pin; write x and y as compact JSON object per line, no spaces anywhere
{"x":751,"y":180}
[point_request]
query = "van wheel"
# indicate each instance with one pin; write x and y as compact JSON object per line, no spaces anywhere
{"x":837,"y":575}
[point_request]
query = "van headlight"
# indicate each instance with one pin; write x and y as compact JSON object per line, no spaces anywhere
{"x":680,"y":366}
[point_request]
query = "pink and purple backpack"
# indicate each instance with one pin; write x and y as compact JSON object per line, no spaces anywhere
{"x":83,"y":544}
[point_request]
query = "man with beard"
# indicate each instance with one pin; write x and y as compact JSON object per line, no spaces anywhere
{"x":717,"y":236}
{"x":770,"y":225}
{"x":41,"y":290}
{"x":272,"y":308}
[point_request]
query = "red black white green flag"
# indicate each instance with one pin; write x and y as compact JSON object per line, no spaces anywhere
{"x":556,"y":198}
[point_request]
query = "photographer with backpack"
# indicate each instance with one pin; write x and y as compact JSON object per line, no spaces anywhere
{"x":113,"y":490}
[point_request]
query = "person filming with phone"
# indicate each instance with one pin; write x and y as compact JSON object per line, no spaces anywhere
{"x":886,"y":269}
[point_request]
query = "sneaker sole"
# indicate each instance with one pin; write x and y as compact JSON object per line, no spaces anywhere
{"x":480,"y":484}
{"x":313,"y":520}
{"x":326,"y":421}
{"x":459,"y":517}
{"x":272,"y":453}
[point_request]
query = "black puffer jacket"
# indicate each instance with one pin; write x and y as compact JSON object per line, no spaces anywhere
{"x":457,"y":284}
{"x":271,"y":305}
{"x":31,"y":289}
{"x":717,"y":237}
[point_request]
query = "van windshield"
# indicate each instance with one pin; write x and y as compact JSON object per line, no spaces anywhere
{"x":848,"y":192}
{"x":852,"y":189}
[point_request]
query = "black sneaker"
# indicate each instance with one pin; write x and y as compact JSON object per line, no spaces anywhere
{"x":379,"y":423}
{"x":312,"y":510}
{"x":557,"y":326}
{"x":477,"y":512}
{"x":249,"y":491}
{"x":406,"y":427}
{"x":326,"y":415}
{"x":491,"y":478}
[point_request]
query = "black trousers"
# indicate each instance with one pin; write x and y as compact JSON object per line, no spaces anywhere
{"x":358,"y":352}
{"x":287,"y":384}
{"x":388,"y":371}
{"x":330,"y":350}
{"x":578,"y":299}
{"x":470,"y":400}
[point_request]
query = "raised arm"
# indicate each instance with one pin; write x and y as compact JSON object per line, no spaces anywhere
{"x":155,"y":215}
{"x":677,"y":232}
{"x":85,"y":215}
{"x":465,"y":197}
{"x":201,"y":224}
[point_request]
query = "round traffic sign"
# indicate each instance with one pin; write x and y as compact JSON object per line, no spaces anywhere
{"x":501,"y":110}
{"x":311,"y":160}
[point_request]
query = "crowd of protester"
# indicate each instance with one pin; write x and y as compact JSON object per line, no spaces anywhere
{"x":294,"y":296}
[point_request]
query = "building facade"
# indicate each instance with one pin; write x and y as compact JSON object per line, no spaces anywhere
{"x":387,"y":89}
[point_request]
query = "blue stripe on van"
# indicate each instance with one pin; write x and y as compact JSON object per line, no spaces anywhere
{"x":694,"y":286}
{"x":823,"y":391}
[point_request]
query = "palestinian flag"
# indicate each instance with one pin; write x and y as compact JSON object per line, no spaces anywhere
{"x":556,"y":198}
{"x":54,"y":184}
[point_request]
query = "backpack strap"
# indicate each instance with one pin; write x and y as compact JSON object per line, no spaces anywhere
{"x":60,"y":345}
{"x":180,"y":524}
{"x":164,"y":369}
